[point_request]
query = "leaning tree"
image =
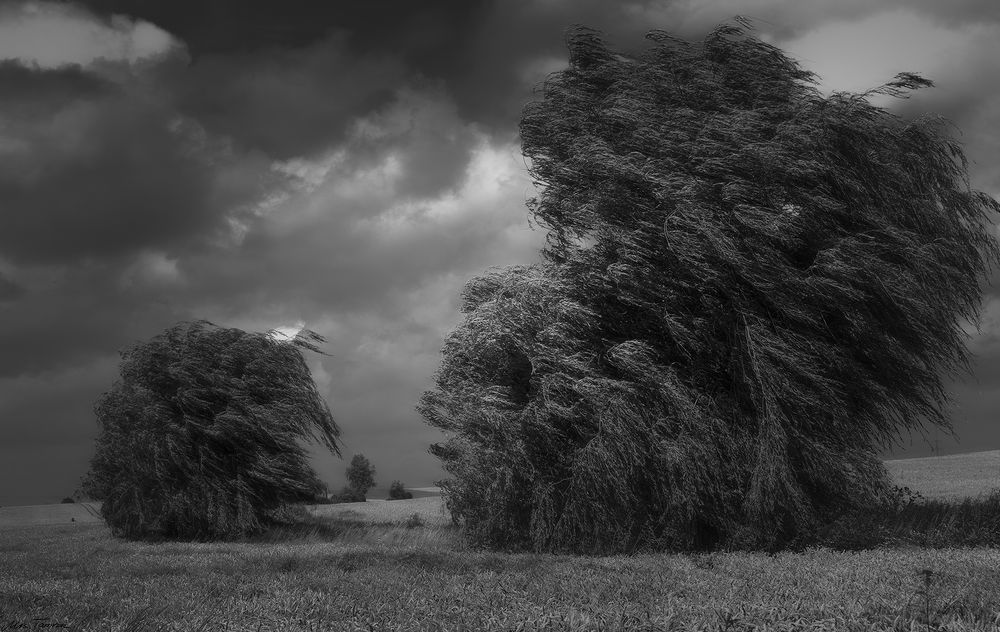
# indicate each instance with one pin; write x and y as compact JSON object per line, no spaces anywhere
{"x":748,"y":290}
{"x":202,"y":435}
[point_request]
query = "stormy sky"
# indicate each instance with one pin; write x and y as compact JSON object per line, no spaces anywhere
{"x":347,"y":167}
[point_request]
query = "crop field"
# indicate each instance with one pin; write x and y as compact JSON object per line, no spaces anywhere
{"x":402,"y":565}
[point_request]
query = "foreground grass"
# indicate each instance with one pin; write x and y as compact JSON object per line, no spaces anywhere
{"x":367,"y":572}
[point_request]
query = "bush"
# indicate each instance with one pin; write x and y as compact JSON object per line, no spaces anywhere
{"x":902,"y":497}
{"x":905,"y":517}
{"x":67,"y":501}
{"x":972,"y":522}
{"x":202,"y":436}
{"x":414,"y":521}
{"x":348,"y":495}
{"x":398,"y":492}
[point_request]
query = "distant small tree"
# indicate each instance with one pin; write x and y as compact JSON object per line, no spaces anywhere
{"x":68,"y":501}
{"x":360,"y":475}
{"x":398,"y":492}
{"x":202,"y":435}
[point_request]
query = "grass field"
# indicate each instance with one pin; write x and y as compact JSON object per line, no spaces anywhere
{"x":38,"y":515}
{"x":430,"y":510}
{"x":954,"y":476}
{"x":375,"y":566}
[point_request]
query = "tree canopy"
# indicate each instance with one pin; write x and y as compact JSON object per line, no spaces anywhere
{"x":748,"y":290}
{"x":360,"y":475}
{"x":202,"y":435}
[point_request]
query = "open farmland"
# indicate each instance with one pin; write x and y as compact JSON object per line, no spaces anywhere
{"x":949,"y":477}
{"x":373,"y":566}
{"x":36,"y":515}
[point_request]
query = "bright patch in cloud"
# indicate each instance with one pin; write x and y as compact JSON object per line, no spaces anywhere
{"x":859,"y":55}
{"x":492,"y":176}
{"x":310,"y":174}
{"x":51,"y":35}
{"x":151,"y":269}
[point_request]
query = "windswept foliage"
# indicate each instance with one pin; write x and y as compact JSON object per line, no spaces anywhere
{"x":748,"y":290}
{"x":201,"y":437}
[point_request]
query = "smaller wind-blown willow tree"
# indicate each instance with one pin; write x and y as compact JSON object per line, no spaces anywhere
{"x":201,"y":437}
{"x":748,"y":291}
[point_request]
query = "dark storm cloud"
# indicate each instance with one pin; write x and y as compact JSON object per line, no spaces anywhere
{"x":289,"y":77}
{"x":47,"y":406}
{"x":224,"y":26}
{"x":285,"y":102}
{"x":27,"y":92}
{"x":9,"y":290}
{"x":487,"y":53}
{"x":292,"y":79}
{"x":65,"y":318}
{"x":93,"y":171}
{"x":514,"y":45}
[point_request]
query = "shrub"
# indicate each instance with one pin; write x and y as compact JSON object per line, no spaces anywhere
{"x":398,"y":492}
{"x":900,"y":498}
{"x":905,"y":517}
{"x":348,"y":495}
{"x":201,"y":438}
{"x":67,"y":501}
{"x":973,"y":522}
{"x":414,"y":521}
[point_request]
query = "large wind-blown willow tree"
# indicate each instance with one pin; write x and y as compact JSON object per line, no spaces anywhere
{"x":748,"y":291}
{"x":202,"y":435}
